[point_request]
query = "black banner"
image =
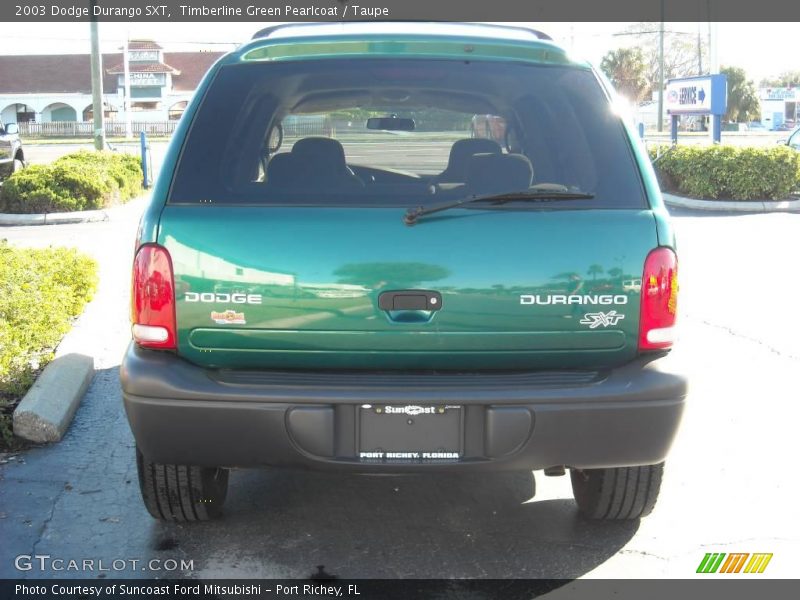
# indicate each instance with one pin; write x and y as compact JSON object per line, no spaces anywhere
{"x":439,"y":10}
{"x":406,"y":589}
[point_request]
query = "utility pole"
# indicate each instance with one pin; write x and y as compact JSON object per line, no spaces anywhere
{"x":126,"y":104}
{"x":661,"y":71}
{"x":713,"y":69}
{"x":97,"y":84}
{"x":699,"y":51}
{"x":713,"y":55}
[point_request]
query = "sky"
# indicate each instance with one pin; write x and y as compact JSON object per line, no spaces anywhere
{"x":762,"y":49}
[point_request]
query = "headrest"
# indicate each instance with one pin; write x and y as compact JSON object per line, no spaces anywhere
{"x":281,"y":169}
{"x":460,"y":153}
{"x":498,"y":173}
{"x":463,"y":149}
{"x":320,"y":150}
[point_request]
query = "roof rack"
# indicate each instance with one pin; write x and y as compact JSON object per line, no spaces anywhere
{"x":537,"y":32}
{"x":267,"y":31}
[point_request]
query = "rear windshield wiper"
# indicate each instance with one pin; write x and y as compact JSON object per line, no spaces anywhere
{"x":538,"y":193}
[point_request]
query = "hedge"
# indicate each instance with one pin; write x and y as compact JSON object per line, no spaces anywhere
{"x":80,"y":181}
{"x":41,"y":291}
{"x":728,"y":172}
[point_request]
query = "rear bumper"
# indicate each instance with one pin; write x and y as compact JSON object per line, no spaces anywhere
{"x":184,"y":414}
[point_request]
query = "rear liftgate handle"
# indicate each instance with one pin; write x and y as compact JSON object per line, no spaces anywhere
{"x":410,"y":306}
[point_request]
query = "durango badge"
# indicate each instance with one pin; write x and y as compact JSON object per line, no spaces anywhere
{"x":228,"y":317}
{"x":545,"y":299}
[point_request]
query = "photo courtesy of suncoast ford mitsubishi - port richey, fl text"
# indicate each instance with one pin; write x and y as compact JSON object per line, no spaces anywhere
{"x":398,"y":299}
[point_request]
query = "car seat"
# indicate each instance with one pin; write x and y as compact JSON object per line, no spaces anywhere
{"x":490,"y":174}
{"x":460,"y":154}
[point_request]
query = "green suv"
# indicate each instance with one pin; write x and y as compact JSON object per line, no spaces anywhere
{"x":337,"y":271}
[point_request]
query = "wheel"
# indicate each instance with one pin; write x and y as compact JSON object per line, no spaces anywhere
{"x":181,"y":492}
{"x":17,"y":166}
{"x":617,"y":493}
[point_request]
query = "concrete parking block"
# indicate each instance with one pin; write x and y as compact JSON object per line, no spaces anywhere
{"x":83,"y":216}
{"x":135,"y":205}
{"x":47,"y":409}
{"x":15,"y":220}
{"x":750,"y":206}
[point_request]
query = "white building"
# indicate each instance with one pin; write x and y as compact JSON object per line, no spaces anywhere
{"x":779,"y":106}
{"x":49,"y":88}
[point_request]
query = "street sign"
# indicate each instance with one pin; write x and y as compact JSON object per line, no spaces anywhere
{"x":148,"y":78}
{"x":143,"y":55}
{"x":145,"y":79}
{"x":780,"y":94}
{"x":697,"y":95}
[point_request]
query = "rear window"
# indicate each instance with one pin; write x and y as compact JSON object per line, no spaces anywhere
{"x":401,"y":133}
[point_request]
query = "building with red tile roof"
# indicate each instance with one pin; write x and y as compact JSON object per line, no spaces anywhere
{"x":57,"y":87}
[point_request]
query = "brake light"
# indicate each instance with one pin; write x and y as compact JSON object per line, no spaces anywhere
{"x":659,"y":300}
{"x":153,"y":298}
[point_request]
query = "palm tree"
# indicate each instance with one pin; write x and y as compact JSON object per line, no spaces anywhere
{"x":594,"y":271}
{"x":626,"y":69}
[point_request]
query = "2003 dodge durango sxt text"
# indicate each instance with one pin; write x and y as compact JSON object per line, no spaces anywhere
{"x":340,"y":270}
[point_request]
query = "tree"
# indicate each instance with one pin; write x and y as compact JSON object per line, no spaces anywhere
{"x":681,"y":56}
{"x":626,"y":69}
{"x":594,"y":271}
{"x":743,"y":102}
{"x":568,"y":275}
{"x":785,"y":79}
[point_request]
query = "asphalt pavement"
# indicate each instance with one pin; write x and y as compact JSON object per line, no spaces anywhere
{"x":729,"y":484}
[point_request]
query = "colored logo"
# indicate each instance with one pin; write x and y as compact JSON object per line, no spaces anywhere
{"x":229,"y":317}
{"x":736,"y":562}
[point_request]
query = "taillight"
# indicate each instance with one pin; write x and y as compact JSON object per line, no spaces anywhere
{"x":659,"y":300}
{"x":153,"y":298}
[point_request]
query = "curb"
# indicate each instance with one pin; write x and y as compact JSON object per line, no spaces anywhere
{"x":46,"y":411}
{"x":750,"y":206}
{"x":82,"y":216}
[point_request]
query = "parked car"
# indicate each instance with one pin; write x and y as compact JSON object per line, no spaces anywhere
{"x":483,"y":335}
{"x":12,"y":156}
{"x":632,"y":285}
{"x":793,"y":140}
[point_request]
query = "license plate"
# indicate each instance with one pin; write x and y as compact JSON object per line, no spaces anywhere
{"x":410,"y":433}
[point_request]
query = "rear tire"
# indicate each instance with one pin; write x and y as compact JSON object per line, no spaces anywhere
{"x":617,"y":493}
{"x":17,"y":166}
{"x":181,"y":493}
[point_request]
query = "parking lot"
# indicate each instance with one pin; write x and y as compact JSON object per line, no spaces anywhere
{"x":729,"y":485}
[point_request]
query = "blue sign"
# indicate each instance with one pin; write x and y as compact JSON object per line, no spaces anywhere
{"x":706,"y":95}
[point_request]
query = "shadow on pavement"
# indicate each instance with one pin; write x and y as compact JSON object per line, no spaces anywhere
{"x":284,"y":523}
{"x":80,"y":499}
